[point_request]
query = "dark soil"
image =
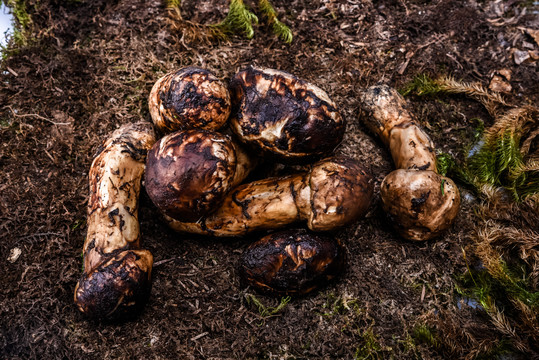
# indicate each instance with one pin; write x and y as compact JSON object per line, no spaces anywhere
{"x":89,"y":68}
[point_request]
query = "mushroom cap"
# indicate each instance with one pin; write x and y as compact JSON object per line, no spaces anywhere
{"x":341,"y":192}
{"x":117,"y":288}
{"x":188,"y":173}
{"x":421,"y":204}
{"x":283,"y":115}
{"x":190,"y":98}
{"x":292,"y":262}
{"x":382,"y":109}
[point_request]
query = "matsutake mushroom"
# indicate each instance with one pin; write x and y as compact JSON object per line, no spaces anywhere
{"x":116,"y":280}
{"x":188,"y":173}
{"x":420,"y":202}
{"x":335,"y":192}
{"x":190,"y":98}
{"x":292,"y":262}
{"x":278,"y":113}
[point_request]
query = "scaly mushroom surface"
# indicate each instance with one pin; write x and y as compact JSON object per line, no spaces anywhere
{"x":420,"y":202}
{"x":188,"y":173}
{"x":116,"y":280}
{"x":292,"y":262}
{"x":190,"y":98}
{"x":284,"y":116}
{"x":335,"y":192}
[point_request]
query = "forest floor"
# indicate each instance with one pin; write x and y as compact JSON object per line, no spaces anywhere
{"x":88,"y":67}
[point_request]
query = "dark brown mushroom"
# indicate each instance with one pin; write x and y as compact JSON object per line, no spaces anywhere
{"x":283,"y":115}
{"x":188,"y":173}
{"x":293,"y":262}
{"x":190,"y":98}
{"x":334,"y":193}
{"x":116,"y":281}
{"x":420,"y":202}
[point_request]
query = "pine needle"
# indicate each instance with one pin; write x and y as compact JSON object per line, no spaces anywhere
{"x":279,"y":29}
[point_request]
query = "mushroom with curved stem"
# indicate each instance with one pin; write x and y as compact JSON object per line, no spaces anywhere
{"x":420,"y":202}
{"x":292,"y":262}
{"x":335,"y":192}
{"x":116,"y":281}
{"x":188,"y":173}
{"x":284,"y":116}
{"x":189,"y":98}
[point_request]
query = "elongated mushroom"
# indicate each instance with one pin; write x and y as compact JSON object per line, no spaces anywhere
{"x":188,"y":173}
{"x":190,"y":98}
{"x":335,"y":192}
{"x":283,"y":115}
{"x":420,"y":202}
{"x":116,"y":280}
{"x":292,"y":262}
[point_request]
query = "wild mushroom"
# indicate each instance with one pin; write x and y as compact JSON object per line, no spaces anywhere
{"x":116,"y":280}
{"x":335,"y":192}
{"x":420,"y":202}
{"x":293,"y":262}
{"x":190,"y":98}
{"x":188,"y":173}
{"x":283,"y":115}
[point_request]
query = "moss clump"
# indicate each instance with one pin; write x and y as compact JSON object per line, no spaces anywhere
{"x":279,"y":29}
{"x":240,"y":20}
{"x":22,"y":21}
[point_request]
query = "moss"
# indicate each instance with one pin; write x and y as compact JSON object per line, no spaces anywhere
{"x":423,"y":334}
{"x":267,"y":311}
{"x":22,"y":21}
{"x":279,"y":29}
{"x":371,"y":347}
{"x":239,"y":19}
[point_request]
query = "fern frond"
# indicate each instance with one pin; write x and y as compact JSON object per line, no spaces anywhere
{"x":279,"y":29}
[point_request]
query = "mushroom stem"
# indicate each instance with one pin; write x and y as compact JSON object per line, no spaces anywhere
{"x":117,"y":273}
{"x":419,"y":201}
{"x":335,"y":192}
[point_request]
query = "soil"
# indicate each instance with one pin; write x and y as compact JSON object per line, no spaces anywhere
{"x":89,"y":68}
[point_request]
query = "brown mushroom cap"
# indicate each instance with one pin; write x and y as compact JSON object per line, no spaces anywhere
{"x":421,"y":204}
{"x":117,"y":288}
{"x":341,"y":192}
{"x":283,"y":115}
{"x":292,"y":262}
{"x":189,"y":172}
{"x":190,"y":98}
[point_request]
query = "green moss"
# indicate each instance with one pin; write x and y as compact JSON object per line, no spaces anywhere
{"x":510,"y":284}
{"x":423,"y":334}
{"x":421,"y":85}
{"x":239,"y":19}
{"x":267,"y":311}
{"x":22,"y":21}
{"x":371,"y":347}
{"x":279,"y":29}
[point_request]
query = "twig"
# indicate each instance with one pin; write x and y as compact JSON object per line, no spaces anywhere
{"x":35,"y":116}
{"x":161,"y":262}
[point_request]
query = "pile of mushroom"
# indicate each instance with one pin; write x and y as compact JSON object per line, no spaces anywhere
{"x":420,"y":202}
{"x":195,"y":177}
